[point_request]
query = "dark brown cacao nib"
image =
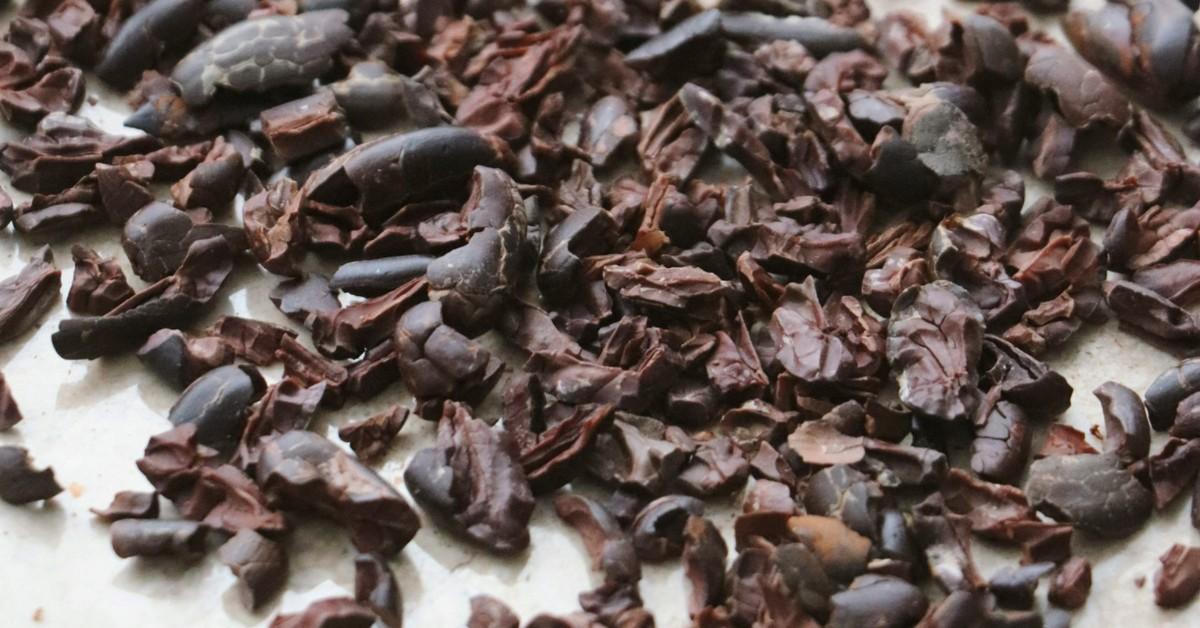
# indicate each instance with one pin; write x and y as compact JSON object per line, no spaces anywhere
{"x":29,"y":294}
{"x":304,"y":471}
{"x":934,"y":341}
{"x":130,"y":505}
{"x":259,"y":564}
{"x":1091,"y":491}
{"x":472,"y":477}
{"x":19,"y":482}
{"x":1178,"y":579}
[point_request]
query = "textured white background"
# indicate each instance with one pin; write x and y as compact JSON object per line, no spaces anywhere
{"x":90,"y":421}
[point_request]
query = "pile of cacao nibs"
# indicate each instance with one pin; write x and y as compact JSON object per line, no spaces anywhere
{"x":729,"y":260}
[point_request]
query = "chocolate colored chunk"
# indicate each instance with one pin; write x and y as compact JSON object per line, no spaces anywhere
{"x":704,"y":553}
{"x":370,"y":278}
{"x":53,"y":222}
{"x":489,"y":612}
{"x":375,"y":587}
{"x":99,"y":283}
{"x":658,"y":530}
{"x":304,"y":298}
{"x":19,"y":483}
{"x":158,"y":537}
{"x":10,"y":413}
{"x":471,"y":478}
{"x":373,"y":96}
{"x":877,"y":601}
{"x":217,"y":403}
{"x":130,"y":505}
{"x":1147,"y":312}
{"x":1071,"y":584}
{"x":379,"y":177}
{"x":157,"y":237}
{"x":181,"y":359}
{"x":1091,"y":491}
{"x":934,"y":341}
{"x":28,"y":295}
{"x":1168,"y":390}
{"x":158,"y":27}
{"x":333,"y":612}
{"x":305,"y":126}
{"x":169,"y":302}
{"x":259,"y":564}
{"x":1127,"y":430}
{"x":1178,"y":579}
{"x":303,"y":470}
{"x":371,"y":437}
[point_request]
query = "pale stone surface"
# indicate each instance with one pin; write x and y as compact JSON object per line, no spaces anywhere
{"x":90,"y":421}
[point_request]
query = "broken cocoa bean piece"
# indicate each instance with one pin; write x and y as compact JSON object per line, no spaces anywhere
{"x":1091,"y":491}
{"x":658,"y":530}
{"x":555,"y":457}
{"x":1178,"y":579}
{"x":305,"y":126}
{"x":1064,"y":440}
{"x":181,"y":359}
{"x":259,"y":564}
{"x":1146,"y":311}
{"x":217,"y":404}
{"x":935,"y":362}
{"x":375,"y":587}
{"x":213,"y":182}
{"x":28,"y":295}
{"x":129,"y":505}
{"x":342,"y":612}
{"x":609,"y":547}
{"x":1127,"y":430}
{"x":169,"y":302}
{"x":157,"y":237}
{"x":1168,"y":390}
{"x":98,"y":285}
{"x":63,"y":150}
{"x":371,"y":437}
{"x":158,"y":537}
{"x":704,"y":553}
{"x":302,"y":299}
{"x":302,"y":470}
{"x":371,"y":92}
{"x":257,"y":342}
{"x":370,"y":278}
{"x":158,"y":27}
{"x":352,"y":329}
{"x":311,"y":369}
{"x":1071,"y":584}
{"x":991,"y":508}
{"x":472,"y":478}
{"x":1002,"y":440}
{"x":10,"y":413}
{"x":1173,"y":469}
{"x":53,"y":222}
{"x":19,"y":483}
{"x":58,"y":90}
{"x":437,"y":362}
{"x":878,"y":601}
{"x":945,"y":538}
{"x":841,"y":551}
{"x":272,"y":222}
{"x":489,"y":612}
